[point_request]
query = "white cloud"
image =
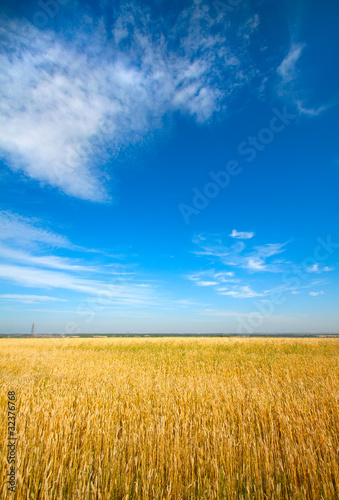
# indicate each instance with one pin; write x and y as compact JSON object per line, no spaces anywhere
{"x":20,"y":230}
{"x":30,"y":299}
{"x":63,"y":103}
{"x":116,"y":290}
{"x":189,"y":303}
{"x":51,"y":109}
{"x":221,"y":276}
{"x":292,"y":86}
{"x":311,"y":111}
{"x":38,"y":270}
{"x":255,"y":260}
{"x":287,"y":68}
{"x":255,"y":264}
{"x":242,"y":292}
{"x":269,"y":249}
{"x":210,"y":277}
{"x":294,"y":288}
{"x":315,"y":294}
{"x":50,"y":261}
{"x":230,"y":287}
{"x":241,"y":235}
{"x":313,"y":269}
{"x":224,"y":314}
{"x":317,"y":268}
{"x":248,"y":28}
{"x":253,"y":22}
{"x":207,"y":283}
{"x":259,"y":259}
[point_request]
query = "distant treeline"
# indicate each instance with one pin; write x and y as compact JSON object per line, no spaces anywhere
{"x":93,"y":335}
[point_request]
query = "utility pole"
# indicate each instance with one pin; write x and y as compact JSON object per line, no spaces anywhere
{"x":32,"y":331}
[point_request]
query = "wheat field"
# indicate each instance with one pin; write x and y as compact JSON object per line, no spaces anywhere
{"x":172,"y":418}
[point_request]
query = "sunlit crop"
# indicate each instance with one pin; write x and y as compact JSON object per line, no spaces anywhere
{"x":182,"y":418}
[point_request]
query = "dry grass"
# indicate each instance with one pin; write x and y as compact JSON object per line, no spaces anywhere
{"x":173,"y":418}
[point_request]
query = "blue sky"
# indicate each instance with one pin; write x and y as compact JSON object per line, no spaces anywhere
{"x":169,"y":166}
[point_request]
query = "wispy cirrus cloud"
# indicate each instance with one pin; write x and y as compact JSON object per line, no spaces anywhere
{"x":241,"y":235}
{"x":223,"y":283}
{"x":291,"y":83}
{"x":116,"y":290}
{"x":30,"y":299}
{"x":285,"y":287}
{"x":210,"y":277}
{"x":224,"y":314}
{"x":319,"y":268}
{"x":41,"y":268}
{"x":241,"y":292}
{"x":247,"y":260}
{"x":19,"y":230}
{"x":206,"y":283}
{"x":288,"y":67}
{"x":315,"y":111}
{"x":21,"y":233}
{"x":67,"y":107}
{"x":256,"y":259}
{"x":49,"y":261}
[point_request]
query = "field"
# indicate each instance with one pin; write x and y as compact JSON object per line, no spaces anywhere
{"x":191,"y":418}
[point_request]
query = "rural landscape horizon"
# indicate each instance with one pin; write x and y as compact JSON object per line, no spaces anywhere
{"x":169,"y":167}
{"x":169,"y":250}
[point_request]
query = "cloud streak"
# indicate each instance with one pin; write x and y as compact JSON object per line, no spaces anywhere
{"x":50,"y":261}
{"x":224,"y":284}
{"x":241,"y":235}
{"x":17,"y":229}
{"x":258,"y":259}
{"x":68,"y":107}
{"x":287,"y":68}
{"x":292,"y":86}
{"x":30,"y":299}
{"x":116,"y":291}
{"x":318,"y":268}
{"x":36,"y":269}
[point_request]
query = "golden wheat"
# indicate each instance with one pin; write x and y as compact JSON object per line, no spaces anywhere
{"x":181,"y":418}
